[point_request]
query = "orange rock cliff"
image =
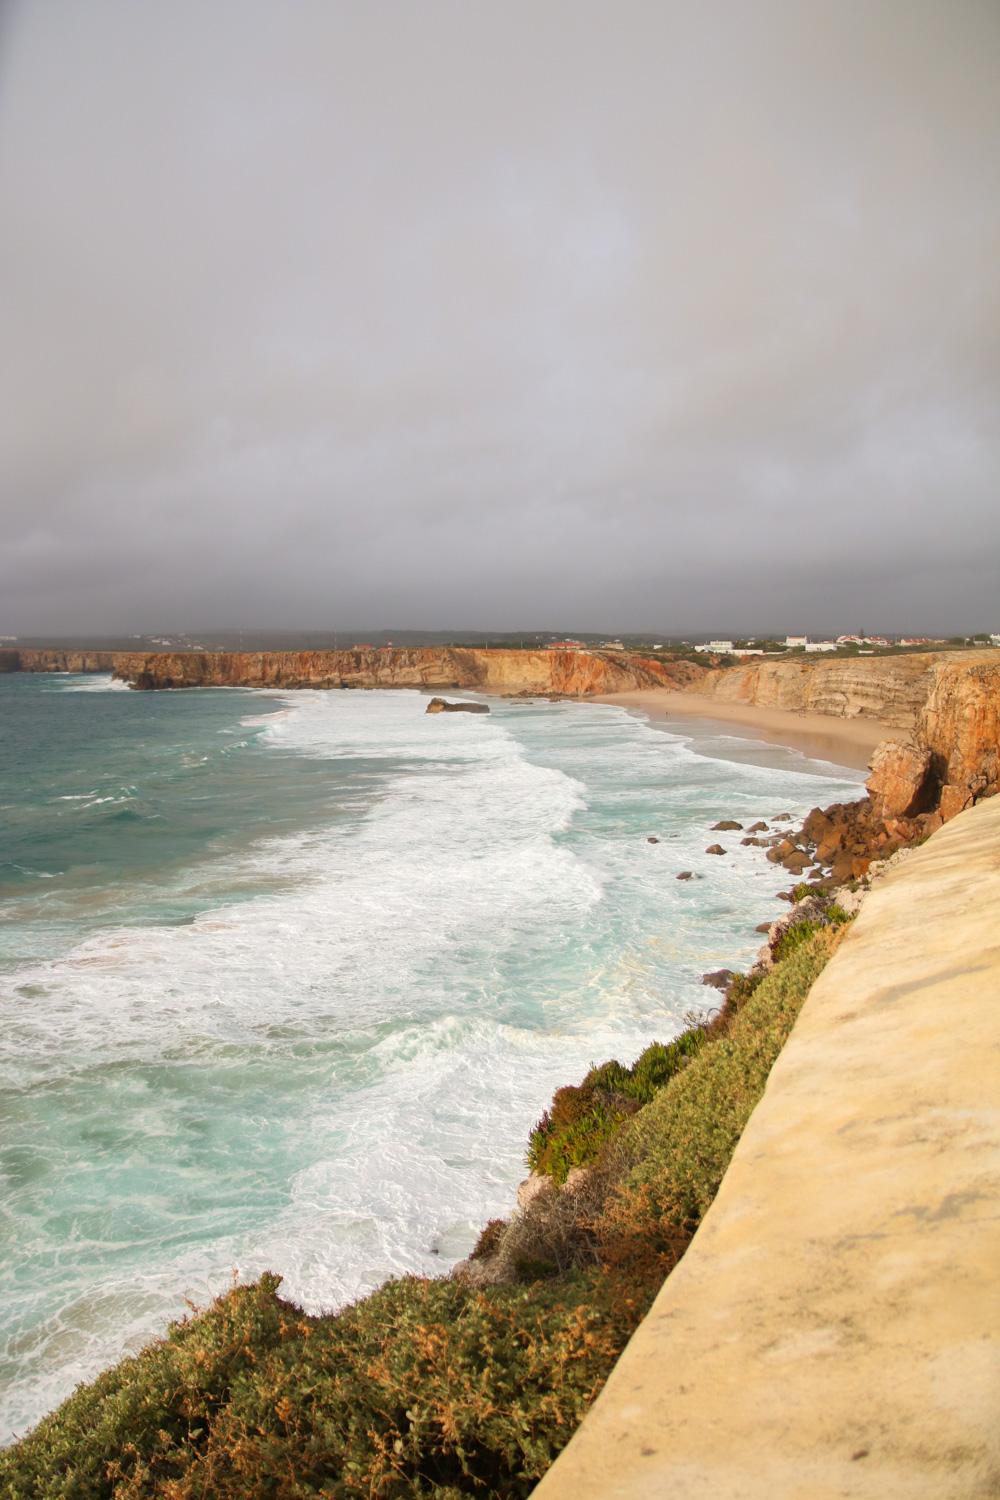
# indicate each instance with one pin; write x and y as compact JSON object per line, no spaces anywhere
{"x":504,"y":673}
{"x":946,"y":703}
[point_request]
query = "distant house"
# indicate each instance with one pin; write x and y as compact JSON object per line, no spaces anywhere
{"x":821,"y":645}
{"x":791,"y":641}
{"x":566,"y":646}
{"x":612,"y":646}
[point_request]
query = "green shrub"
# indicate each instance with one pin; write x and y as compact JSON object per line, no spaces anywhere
{"x":580,"y":1119}
{"x":674,"y":1153}
{"x":426,"y":1388}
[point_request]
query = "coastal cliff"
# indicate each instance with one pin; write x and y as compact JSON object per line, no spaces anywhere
{"x":891,"y":689}
{"x":945,"y":702}
{"x":505,"y":673}
{"x":32,"y":659}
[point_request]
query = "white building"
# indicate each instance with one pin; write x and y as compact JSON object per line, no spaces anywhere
{"x":795,"y":640}
{"x":821,"y":645}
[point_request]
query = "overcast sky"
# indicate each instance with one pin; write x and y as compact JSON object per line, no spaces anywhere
{"x":642,"y":314}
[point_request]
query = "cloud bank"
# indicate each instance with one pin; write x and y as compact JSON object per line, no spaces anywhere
{"x":643,"y":315}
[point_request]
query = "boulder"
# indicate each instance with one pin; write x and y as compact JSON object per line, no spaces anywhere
{"x":531,"y":1188}
{"x":442,"y":706}
{"x":901,"y":784}
{"x":954,"y":799}
{"x":715,"y":849}
{"x":757,"y":828}
{"x":727,"y":826}
{"x":652,"y":840}
{"x":480,"y":1274}
{"x":718,"y":979}
{"x":685,"y":875}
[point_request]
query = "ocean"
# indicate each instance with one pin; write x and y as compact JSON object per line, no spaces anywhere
{"x":287,"y":977}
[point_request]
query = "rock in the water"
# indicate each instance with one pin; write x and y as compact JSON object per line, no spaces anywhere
{"x":757,"y":828}
{"x":652,"y":840}
{"x":442,"y":706}
{"x":900,"y":785}
{"x":715,"y":849}
{"x":782,"y":818}
{"x":685,"y":875}
{"x":727,"y":826}
{"x":718,"y":979}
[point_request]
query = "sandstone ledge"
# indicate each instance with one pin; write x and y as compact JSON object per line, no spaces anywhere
{"x":834,"y":1329}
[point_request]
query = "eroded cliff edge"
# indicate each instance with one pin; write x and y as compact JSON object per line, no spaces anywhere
{"x":505,"y":673}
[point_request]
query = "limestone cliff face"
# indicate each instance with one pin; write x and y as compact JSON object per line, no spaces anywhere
{"x":890,"y":688}
{"x":573,"y":673}
{"x":39,"y":660}
{"x":959,"y":722}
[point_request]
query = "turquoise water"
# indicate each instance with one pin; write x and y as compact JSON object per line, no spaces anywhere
{"x":287,"y":977}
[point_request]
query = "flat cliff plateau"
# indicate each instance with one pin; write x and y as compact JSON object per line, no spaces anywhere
{"x":504,"y":673}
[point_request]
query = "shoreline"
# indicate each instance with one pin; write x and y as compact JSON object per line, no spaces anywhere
{"x":845,"y":742}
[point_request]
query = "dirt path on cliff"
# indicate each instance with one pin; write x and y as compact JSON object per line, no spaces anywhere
{"x":846,"y":742}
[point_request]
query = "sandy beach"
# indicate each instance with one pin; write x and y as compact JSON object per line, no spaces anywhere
{"x":846,"y":742}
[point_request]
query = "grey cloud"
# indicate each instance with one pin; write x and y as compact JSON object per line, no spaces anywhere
{"x":626,"y":316}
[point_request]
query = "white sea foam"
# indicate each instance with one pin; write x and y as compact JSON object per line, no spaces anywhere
{"x":335,"y":1078}
{"x":97,"y":683}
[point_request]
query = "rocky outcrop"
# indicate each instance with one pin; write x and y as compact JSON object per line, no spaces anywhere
{"x":442,"y":706}
{"x":572,"y":674}
{"x":900,"y":785}
{"x":959,"y":723}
